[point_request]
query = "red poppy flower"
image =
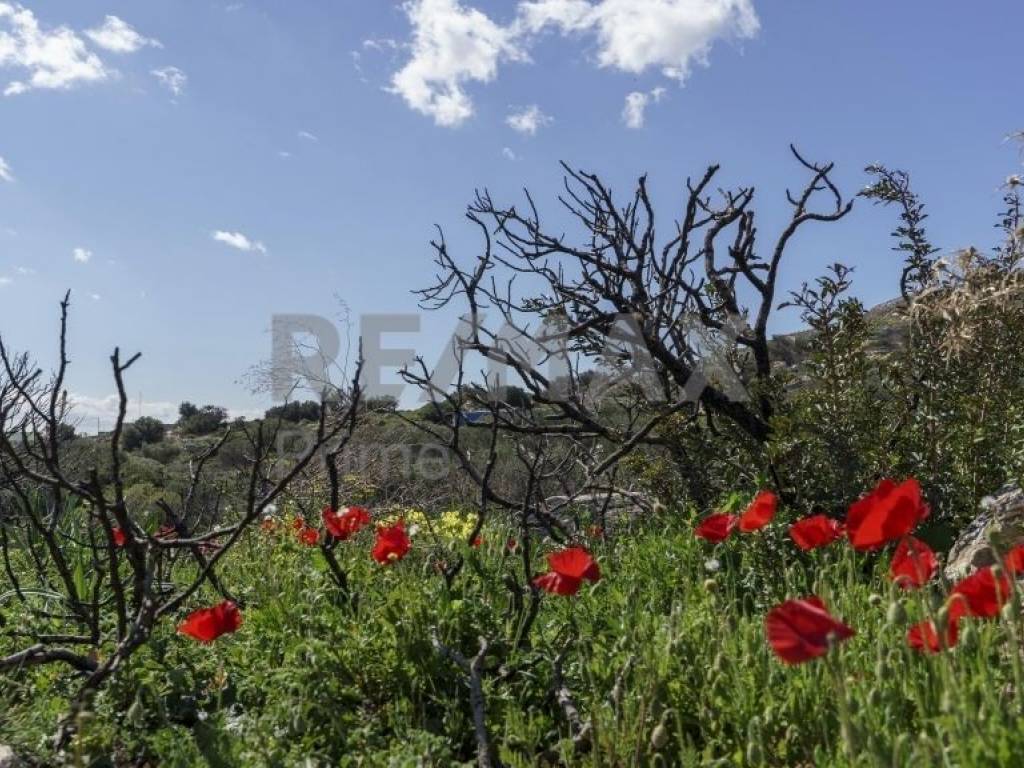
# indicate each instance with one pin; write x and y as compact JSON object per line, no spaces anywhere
{"x":568,"y":570}
{"x":717,"y":527}
{"x":119,"y":538}
{"x":207,"y":624}
{"x":392,"y":543}
{"x":512,"y":546}
{"x":595,"y":532}
{"x":1014,"y":562}
{"x":925,"y":638}
{"x":345,"y":525}
{"x":477,"y":542}
{"x":981,"y":594}
{"x":799,"y":630}
{"x":268,"y":525}
{"x":815,"y":531}
{"x":888,"y":513}
{"x":298,"y":523}
{"x":760,"y":512}
{"x":309,"y":536}
{"x":913,"y":563}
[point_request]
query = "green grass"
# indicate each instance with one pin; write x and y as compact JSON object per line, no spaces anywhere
{"x":659,"y":650}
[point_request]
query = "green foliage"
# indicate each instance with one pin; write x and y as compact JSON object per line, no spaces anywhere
{"x":201,"y":421}
{"x":666,"y":655}
{"x":295,"y":411}
{"x":143,"y":431}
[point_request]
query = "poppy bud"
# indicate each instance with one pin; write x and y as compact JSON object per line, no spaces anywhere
{"x":946,"y":703}
{"x":719,"y":663}
{"x":966,"y":634}
{"x":942,"y":619}
{"x":136,"y":713}
{"x":881,"y":670}
{"x":896,"y":614}
{"x":710,"y":585}
{"x":658,"y":508}
{"x":659,"y":737}
{"x":1007,"y":611}
{"x":875,"y":599}
{"x":900,"y":747}
{"x":874,"y":698}
{"x":754,"y":754}
{"x":853,"y":704}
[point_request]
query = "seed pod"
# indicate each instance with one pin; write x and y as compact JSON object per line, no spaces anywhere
{"x":875,"y":599}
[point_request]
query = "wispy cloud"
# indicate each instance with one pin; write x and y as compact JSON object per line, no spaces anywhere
{"x":528,"y":121}
{"x":5,"y":171}
{"x":508,"y":154}
{"x":81,"y":255}
{"x":634,"y":114}
{"x":454,"y":45}
{"x":117,"y":36}
{"x":308,"y":136}
{"x":25,"y":270}
{"x":5,"y":281}
{"x":171,"y":78}
{"x":239,"y":241}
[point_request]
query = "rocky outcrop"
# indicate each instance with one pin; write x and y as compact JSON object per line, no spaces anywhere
{"x":1000,"y":522}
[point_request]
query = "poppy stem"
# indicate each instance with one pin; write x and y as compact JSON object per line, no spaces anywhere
{"x":847,"y":730}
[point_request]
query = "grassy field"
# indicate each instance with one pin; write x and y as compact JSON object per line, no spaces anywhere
{"x":664,"y":660}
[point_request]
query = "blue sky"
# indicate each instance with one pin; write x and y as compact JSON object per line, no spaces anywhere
{"x":324,"y":140}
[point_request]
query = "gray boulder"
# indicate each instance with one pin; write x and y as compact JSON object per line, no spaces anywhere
{"x":1000,"y":522}
{"x":8,"y":759}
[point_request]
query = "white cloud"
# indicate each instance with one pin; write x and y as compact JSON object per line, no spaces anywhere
{"x":508,"y":154}
{"x":171,"y":78}
{"x":25,"y":271}
{"x":5,"y":171}
{"x":118,"y":36}
{"x":528,"y":121}
{"x":308,"y":136}
{"x":87,"y":411}
{"x":569,"y":15}
{"x":452,"y":45}
{"x":284,"y":154}
{"x":95,"y":296}
{"x":239,"y":241}
{"x":81,"y":255}
{"x":56,"y":58}
{"x":634,"y":114}
{"x":637,"y":35}
{"x":5,"y":281}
